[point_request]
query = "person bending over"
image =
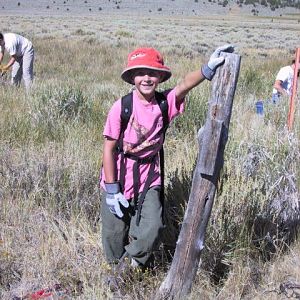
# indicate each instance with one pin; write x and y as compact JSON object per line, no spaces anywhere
{"x":284,"y":81}
{"x":21,"y":59}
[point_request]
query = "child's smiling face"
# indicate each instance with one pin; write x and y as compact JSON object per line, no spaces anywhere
{"x":146,"y":81}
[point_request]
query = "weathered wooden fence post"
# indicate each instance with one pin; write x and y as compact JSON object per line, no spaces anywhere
{"x":212,"y":141}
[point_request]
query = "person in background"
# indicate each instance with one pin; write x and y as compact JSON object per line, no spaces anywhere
{"x":283,"y":82}
{"x":21,"y":59}
{"x":128,"y":236}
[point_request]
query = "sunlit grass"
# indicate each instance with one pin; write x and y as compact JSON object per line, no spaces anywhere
{"x":51,"y":146}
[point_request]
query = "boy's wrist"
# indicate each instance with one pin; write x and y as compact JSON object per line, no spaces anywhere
{"x":112,"y":187}
{"x":207,"y":72}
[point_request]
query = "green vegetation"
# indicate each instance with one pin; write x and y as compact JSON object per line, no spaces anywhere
{"x":50,"y":156}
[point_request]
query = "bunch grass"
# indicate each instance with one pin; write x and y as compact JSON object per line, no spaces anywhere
{"x":50,"y":157}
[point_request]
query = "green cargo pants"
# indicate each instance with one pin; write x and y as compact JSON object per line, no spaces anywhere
{"x":122,"y":234}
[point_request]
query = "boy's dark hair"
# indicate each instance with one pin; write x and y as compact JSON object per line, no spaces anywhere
{"x":1,"y":36}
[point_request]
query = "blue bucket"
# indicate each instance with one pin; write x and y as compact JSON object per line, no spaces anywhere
{"x":259,"y":107}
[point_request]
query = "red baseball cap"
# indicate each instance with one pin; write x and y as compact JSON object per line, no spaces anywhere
{"x":146,"y":58}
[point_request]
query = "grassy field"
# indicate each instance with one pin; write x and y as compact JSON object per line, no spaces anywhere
{"x":51,"y":147}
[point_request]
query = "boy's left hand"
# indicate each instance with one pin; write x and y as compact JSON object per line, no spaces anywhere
{"x":215,"y":61}
{"x":114,"y":198}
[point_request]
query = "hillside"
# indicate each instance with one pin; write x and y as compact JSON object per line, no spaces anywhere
{"x":143,"y":7}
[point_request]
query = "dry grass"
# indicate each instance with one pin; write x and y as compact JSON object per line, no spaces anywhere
{"x":51,"y":154}
{"x":264,"y":36}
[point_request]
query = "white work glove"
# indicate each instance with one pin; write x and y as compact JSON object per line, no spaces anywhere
{"x":114,"y":197}
{"x":215,"y":61}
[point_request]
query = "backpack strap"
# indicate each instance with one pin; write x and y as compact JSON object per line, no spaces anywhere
{"x":164,"y":107}
{"x":126,"y":111}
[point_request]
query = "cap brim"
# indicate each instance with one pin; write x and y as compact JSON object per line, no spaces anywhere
{"x":127,"y":73}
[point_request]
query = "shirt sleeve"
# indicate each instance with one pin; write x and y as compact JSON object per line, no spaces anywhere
{"x":174,"y":109}
{"x":282,"y":75}
{"x":12,"y":51}
{"x":12,"y":47}
{"x":113,"y":121}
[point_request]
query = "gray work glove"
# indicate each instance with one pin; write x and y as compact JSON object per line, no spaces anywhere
{"x":215,"y":61}
{"x":114,"y":197}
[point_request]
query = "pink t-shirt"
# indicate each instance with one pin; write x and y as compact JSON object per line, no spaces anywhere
{"x":143,"y":136}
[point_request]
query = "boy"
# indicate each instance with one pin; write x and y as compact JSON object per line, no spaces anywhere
{"x":131,"y":176}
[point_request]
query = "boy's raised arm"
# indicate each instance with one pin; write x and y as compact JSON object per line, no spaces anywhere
{"x":207,"y":71}
{"x":189,"y":81}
